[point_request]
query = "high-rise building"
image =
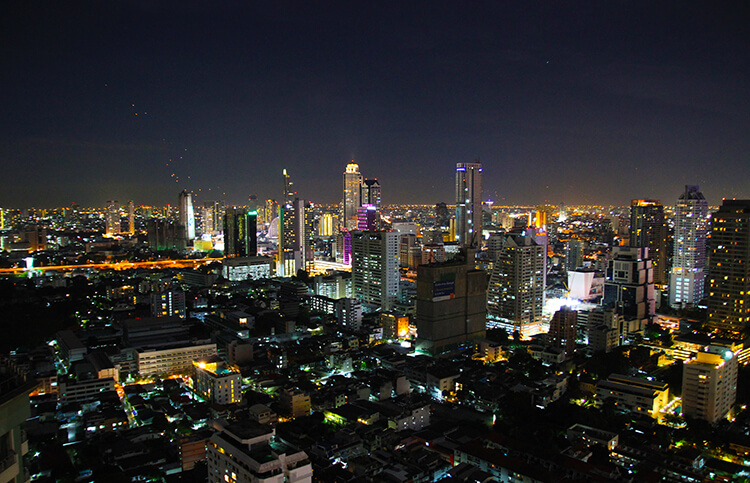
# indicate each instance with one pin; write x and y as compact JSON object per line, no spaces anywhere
{"x":442,"y":215}
{"x":451,"y":304}
{"x":325,"y":225}
{"x":562,"y":330}
{"x":169,"y":303}
{"x":370,"y":193}
{"x":375,"y":273}
{"x":296,"y":235}
{"x":112,"y":218}
{"x":709,"y":384}
{"x":212,"y":215}
{"x":648,"y":229}
{"x":14,"y":407}
{"x":729,"y":266}
{"x":131,"y":218}
{"x":240,"y":232}
{"x":686,"y":282}
{"x":352,"y":196}
{"x":187,"y":217}
{"x":289,"y":193}
{"x":573,"y":254}
{"x":629,"y":286}
{"x":469,"y":203}
{"x":515,"y":296}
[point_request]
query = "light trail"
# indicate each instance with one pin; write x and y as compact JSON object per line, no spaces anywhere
{"x":188,"y":263}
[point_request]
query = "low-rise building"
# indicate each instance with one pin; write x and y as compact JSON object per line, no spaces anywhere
{"x":170,"y":361}
{"x":217,"y":382}
{"x":632,"y":394}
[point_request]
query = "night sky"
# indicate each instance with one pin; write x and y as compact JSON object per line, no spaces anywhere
{"x":575,"y":102}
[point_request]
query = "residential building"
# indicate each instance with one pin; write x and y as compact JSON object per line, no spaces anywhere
{"x":469,"y":204}
{"x":648,"y":229}
{"x":709,"y":384}
{"x":217,"y":382}
{"x":687,"y":277}
{"x":375,"y":273}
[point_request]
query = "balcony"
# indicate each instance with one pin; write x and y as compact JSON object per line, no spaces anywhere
{"x":9,"y":466}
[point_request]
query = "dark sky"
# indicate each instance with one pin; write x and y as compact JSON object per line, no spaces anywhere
{"x":576,"y":102}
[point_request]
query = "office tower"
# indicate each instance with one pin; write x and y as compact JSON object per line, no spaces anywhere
{"x":469,"y":204}
{"x":370,"y":193}
{"x":240,"y":233}
{"x":131,"y":218}
{"x":629,"y":286}
{"x":352,"y":196}
{"x":495,"y":244}
{"x":170,"y":303}
{"x":187,"y":217}
{"x":686,"y":281}
{"x":112,"y":218}
{"x":451,"y":304}
{"x":367,"y":216}
{"x":648,"y":229}
{"x":562,"y":330}
{"x":562,"y":212}
{"x":209,"y":212}
{"x":573,"y":254}
{"x":729,"y":266}
{"x":375,"y":274}
{"x":269,"y":212}
{"x":709,"y":384}
{"x":407,"y":248}
{"x":289,"y":194}
{"x":515,"y":296}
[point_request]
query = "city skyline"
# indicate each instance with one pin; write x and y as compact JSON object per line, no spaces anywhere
{"x":597,"y":103}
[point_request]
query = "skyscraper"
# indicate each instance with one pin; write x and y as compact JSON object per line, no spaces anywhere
{"x":629,"y":286}
{"x":729,"y":266}
{"x":187,"y":217}
{"x":289,"y":193}
{"x":469,"y":203}
{"x":515,"y":296}
{"x":240,"y":233}
{"x":352,"y":196}
{"x":573,"y":254}
{"x":112,"y":218}
{"x":296,"y":237}
{"x":451,"y":304}
{"x":686,"y":282}
{"x":131,"y":218}
{"x":370,"y":193}
{"x":648,"y":229}
{"x":375,"y":274}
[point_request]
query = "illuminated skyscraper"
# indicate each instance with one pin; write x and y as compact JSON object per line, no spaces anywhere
{"x":187,"y":217}
{"x":375,"y":274}
{"x":648,"y":229}
{"x":131,"y":218}
{"x":515,"y":296}
{"x":366,"y":217}
{"x":240,"y":233}
{"x":469,"y":203}
{"x":289,"y":193}
{"x":112,"y":218}
{"x":370,"y":193}
{"x":296,"y":237}
{"x":562,"y":330}
{"x":686,"y":283}
{"x":352,"y":196}
{"x":729,"y":266}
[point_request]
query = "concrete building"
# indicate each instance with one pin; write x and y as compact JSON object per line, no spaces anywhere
{"x":631,"y":394}
{"x":243,"y":268}
{"x":573,"y":254}
{"x":240,"y":232}
{"x":375,"y":273}
{"x":217,"y":382}
{"x":729,"y":267}
{"x":249,"y":453}
{"x":562,"y":330}
{"x":170,"y":361}
{"x":687,"y":277}
{"x":295,"y":402}
{"x":170,"y":303}
{"x":451,"y":304}
{"x":112,"y":218}
{"x":187,"y":216}
{"x":709,"y":384}
{"x":515,"y":295}
{"x":14,"y":411}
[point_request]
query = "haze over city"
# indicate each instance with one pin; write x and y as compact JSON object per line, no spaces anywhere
{"x":575,"y":102}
